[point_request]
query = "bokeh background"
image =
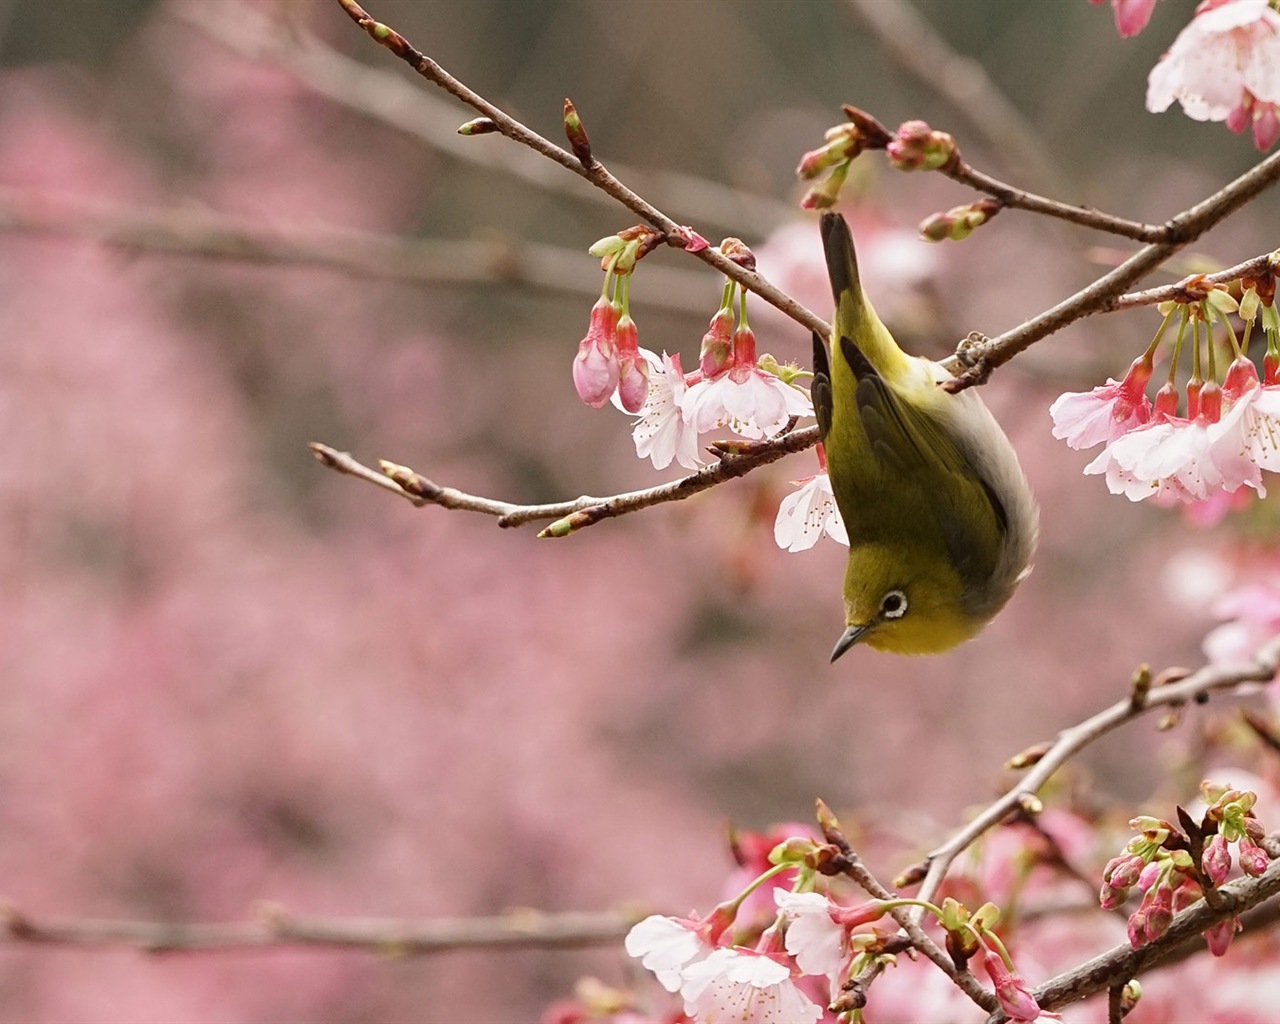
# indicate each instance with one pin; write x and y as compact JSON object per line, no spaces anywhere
{"x":228,"y":675}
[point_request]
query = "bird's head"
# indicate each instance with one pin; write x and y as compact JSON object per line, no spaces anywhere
{"x":909,"y":601}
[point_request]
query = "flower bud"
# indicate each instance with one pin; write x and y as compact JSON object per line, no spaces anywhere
{"x":478,"y":126}
{"x":1138,"y":928}
{"x":1253,"y":858}
{"x":595,"y":368}
{"x":959,"y":222}
{"x":1011,"y":992}
{"x":717,"y":344}
{"x":1110,"y":897}
{"x":633,"y":369}
{"x":844,"y":142}
{"x":825,"y":195}
{"x":1241,"y":376}
{"x":577,"y":135}
{"x":1159,"y":907}
{"x":917,"y":147}
{"x":1123,"y":871}
{"x":1217,"y":860}
{"x":1218,"y":938}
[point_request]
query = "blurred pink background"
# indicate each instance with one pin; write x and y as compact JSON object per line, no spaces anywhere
{"x":231,"y":676}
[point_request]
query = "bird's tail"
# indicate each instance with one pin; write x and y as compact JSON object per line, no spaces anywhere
{"x":855,"y":319}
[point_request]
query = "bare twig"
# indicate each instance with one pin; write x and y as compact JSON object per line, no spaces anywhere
{"x":576,"y":513}
{"x":1071,"y":741}
{"x":191,"y":231}
{"x":594,"y":172}
{"x":276,"y":929}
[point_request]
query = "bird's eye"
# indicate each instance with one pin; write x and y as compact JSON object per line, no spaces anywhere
{"x":893,"y":605}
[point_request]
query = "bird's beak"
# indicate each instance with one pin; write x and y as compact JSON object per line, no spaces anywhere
{"x":847,"y":639}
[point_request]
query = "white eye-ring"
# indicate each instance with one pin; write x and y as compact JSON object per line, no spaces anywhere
{"x":893,"y":605}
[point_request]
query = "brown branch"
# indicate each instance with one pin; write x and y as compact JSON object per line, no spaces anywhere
{"x":576,"y":513}
{"x":1071,"y":741}
{"x":594,"y":171}
{"x":389,"y":99}
{"x":196,"y":232}
{"x":276,"y":929}
{"x":1118,"y":965}
{"x":1151,"y":296}
{"x":973,"y":363}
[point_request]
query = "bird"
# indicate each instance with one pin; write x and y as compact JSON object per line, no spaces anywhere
{"x":941,"y":520}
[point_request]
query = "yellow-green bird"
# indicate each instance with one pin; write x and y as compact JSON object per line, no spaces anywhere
{"x":941,"y":521}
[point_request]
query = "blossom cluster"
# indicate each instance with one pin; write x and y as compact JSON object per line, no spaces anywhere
{"x":809,"y":956}
{"x":732,"y":388}
{"x":1230,"y":433}
{"x":1159,"y":863}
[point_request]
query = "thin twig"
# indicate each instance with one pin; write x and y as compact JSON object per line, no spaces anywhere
{"x":192,"y":231}
{"x":1076,"y":738}
{"x":388,"y":98}
{"x":574,"y":514}
{"x":275,"y":929}
{"x":593,"y":171}
{"x":1151,"y":296}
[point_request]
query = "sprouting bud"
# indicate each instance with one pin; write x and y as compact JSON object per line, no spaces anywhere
{"x":1159,"y":907}
{"x":826,"y":194}
{"x":844,"y":142}
{"x":735,"y":250}
{"x":1130,"y":996}
{"x":690,"y":240}
{"x":1249,"y":303}
{"x":1029,"y":757}
{"x":959,"y":222}
{"x":792,"y":850}
{"x":1109,"y":897}
{"x":1137,"y":928}
{"x":478,"y":126}
{"x":1123,"y":871}
{"x":917,"y":147}
{"x":577,"y":134}
{"x":607,"y":248}
{"x":874,"y":134}
{"x":827,"y":820}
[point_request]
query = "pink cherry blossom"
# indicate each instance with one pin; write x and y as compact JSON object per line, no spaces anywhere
{"x":1251,"y":428}
{"x":745,"y":987}
{"x":1224,"y":66}
{"x":666,"y":946}
{"x":1011,"y":991}
{"x":595,"y":367}
{"x":663,"y":433}
{"x":807,"y":514}
{"x":1084,"y":419}
{"x":1253,"y":612}
{"x":746,"y":399}
{"x":1218,"y":938}
{"x":814,"y":937}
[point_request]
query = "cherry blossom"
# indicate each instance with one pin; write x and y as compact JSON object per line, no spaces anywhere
{"x":742,"y":986}
{"x":1084,"y":419}
{"x":666,"y":946}
{"x":633,"y":369}
{"x":662,"y":433}
{"x":1224,"y":66}
{"x":807,"y":514}
{"x":1253,"y":612}
{"x":750,"y":401}
{"x":814,"y":937}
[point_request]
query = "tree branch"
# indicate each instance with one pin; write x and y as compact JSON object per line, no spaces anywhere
{"x":1071,"y":741}
{"x":592,"y":170}
{"x":275,"y":929}
{"x":576,"y":513}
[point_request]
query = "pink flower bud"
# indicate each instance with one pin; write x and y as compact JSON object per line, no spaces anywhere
{"x":1217,"y":860}
{"x":917,"y":147}
{"x":1011,"y":992}
{"x":1167,"y":401}
{"x":1218,"y":938}
{"x":1210,"y":401}
{"x":1266,"y":127}
{"x":1159,"y":905}
{"x":1253,"y":858}
{"x":1110,"y":897}
{"x":1123,"y":871}
{"x":1138,"y":928}
{"x":595,"y":368}
{"x":1148,"y":875}
{"x":1241,"y":377}
{"x":717,"y":346}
